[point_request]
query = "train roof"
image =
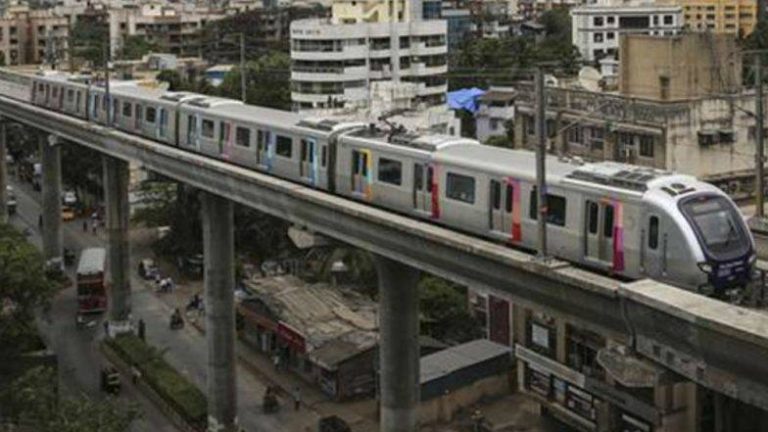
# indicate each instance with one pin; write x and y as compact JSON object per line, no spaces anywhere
{"x":253,"y":113}
{"x":522,"y":163}
{"x":91,"y":261}
{"x":410,"y":140}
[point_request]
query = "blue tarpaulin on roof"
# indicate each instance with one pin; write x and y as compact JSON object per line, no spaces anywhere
{"x":465,"y":99}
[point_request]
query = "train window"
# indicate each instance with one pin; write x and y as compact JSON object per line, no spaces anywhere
{"x":284,"y":146}
{"x":55,"y":92}
{"x":430,"y":178}
{"x":151,"y":115}
{"x":138,"y":117}
{"x":324,"y":156}
{"x":70,"y":95}
{"x":592,"y":215}
{"x":40,"y":87}
{"x":653,"y":232}
{"x":418,"y":174}
{"x":243,"y":137}
{"x":608,"y":222}
{"x":495,"y":194}
{"x":359,"y":163}
{"x":79,"y":101}
{"x":460,"y":188}
{"x":127,"y":111}
{"x":191,"y":129}
{"x":115,"y":107}
{"x":96,"y":105}
{"x":390,"y":171}
{"x":510,"y":198}
{"x":207,"y":130}
{"x":556,"y":208}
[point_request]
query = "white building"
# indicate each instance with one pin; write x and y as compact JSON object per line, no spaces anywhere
{"x":334,"y":61}
{"x":596,"y":27}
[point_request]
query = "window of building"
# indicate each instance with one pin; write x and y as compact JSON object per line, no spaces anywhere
{"x":150,"y":114}
{"x":598,"y":21}
{"x":494,"y":124}
{"x":581,"y":350}
{"x":646,"y":146}
{"x":390,"y":171}
{"x":284,"y":146}
{"x":610,"y":35}
{"x":611,"y":20}
{"x":207,"y":130}
{"x":127,"y":109}
{"x":575,"y":135}
{"x":460,"y":188}
{"x":668,"y":19}
{"x":542,"y":335}
{"x":655,"y":20}
{"x":597,"y":37}
{"x":556,"y":208}
{"x":243,"y":137}
{"x":597,"y":137}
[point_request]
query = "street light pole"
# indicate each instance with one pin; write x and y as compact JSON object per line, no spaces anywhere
{"x":541,"y":154}
{"x":242,"y":67}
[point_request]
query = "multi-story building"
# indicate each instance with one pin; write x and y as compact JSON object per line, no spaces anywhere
{"x":736,"y":17}
{"x":32,"y":36}
{"x":496,"y":109}
{"x":335,"y":60}
{"x":596,"y":27}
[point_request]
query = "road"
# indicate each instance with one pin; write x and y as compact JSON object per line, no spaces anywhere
{"x":185,"y":349}
{"x":77,"y":349}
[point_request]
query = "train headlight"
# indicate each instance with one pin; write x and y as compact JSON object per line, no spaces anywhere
{"x":705,"y":267}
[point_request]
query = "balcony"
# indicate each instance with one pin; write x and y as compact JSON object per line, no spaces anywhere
{"x":421,"y":69}
{"x":326,"y":53}
{"x":421,"y":48}
{"x":329,"y":73}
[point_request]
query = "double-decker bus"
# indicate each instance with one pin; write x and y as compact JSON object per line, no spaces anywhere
{"x":91,"y":281}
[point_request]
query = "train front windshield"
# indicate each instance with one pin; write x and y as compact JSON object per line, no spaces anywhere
{"x":718,"y":226}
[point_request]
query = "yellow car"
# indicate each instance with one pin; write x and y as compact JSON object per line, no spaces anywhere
{"x":67,"y":213}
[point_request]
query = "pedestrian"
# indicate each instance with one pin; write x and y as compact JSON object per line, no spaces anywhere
{"x":85,"y":225}
{"x":135,"y":373}
{"x":296,"y":398}
{"x":106,"y":328}
{"x":95,"y":225}
{"x":142,"y":329}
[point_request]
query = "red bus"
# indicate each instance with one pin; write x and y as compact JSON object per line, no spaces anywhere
{"x":91,"y":283}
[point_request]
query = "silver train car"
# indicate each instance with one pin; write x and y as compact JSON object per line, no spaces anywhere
{"x":624,"y":220}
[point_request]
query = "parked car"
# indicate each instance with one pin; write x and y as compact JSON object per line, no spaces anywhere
{"x":69,"y":198}
{"x":67,"y":213}
{"x":191,"y":265}
{"x":147,"y":269}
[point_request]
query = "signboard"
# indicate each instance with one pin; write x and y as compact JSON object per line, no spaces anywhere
{"x":291,"y":337}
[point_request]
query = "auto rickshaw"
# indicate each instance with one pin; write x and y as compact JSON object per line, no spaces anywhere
{"x":110,"y":380}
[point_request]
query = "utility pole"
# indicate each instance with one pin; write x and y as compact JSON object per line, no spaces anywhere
{"x":759,"y":137}
{"x":541,"y":154}
{"x":107,"y":98}
{"x":242,"y":67}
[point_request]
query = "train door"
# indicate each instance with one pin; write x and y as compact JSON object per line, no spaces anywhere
{"x":654,"y":247}
{"x":501,"y":206}
{"x":162,"y":128}
{"x":263,"y":138}
{"x":308,"y":157}
{"x":599,"y":220}
{"x":360,"y":171}
{"x":422,"y":188}
{"x":224,"y":133}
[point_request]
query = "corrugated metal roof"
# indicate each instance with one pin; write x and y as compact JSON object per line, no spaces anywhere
{"x":450,"y":360}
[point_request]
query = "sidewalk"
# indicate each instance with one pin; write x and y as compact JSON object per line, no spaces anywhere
{"x":359,"y":415}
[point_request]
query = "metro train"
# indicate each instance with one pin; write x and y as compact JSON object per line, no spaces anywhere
{"x":627,"y":221}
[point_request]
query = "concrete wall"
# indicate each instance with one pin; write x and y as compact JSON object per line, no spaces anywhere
{"x":684,"y":62}
{"x":442,"y":409}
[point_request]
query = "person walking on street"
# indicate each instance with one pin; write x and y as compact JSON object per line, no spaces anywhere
{"x":296,"y":398}
{"x":142,"y":329}
{"x":85,"y":225}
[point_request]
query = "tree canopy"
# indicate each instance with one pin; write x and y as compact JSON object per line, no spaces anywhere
{"x":136,"y":46}
{"x":444,"y":311}
{"x":35,"y":404}
{"x":267,"y":82}
{"x":87,"y":40}
{"x":23,"y":288}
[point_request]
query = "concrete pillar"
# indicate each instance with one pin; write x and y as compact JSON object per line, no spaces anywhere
{"x":117,"y":219}
{"x":3,"y":172}
{"x":398,"y":346}
{"x":50,"y":151}
{"x":219,"y":252}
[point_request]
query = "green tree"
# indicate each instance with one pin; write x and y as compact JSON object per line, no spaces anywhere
{"x":444,"y":311}
{"x":136,"y":46}
{"x":33,"y":403}
{"x":498,"y":141}
{"x":23,"y":288}
{"x":87,"y":40}
{"x":174,"y":80}
{"x":267,"y":82}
